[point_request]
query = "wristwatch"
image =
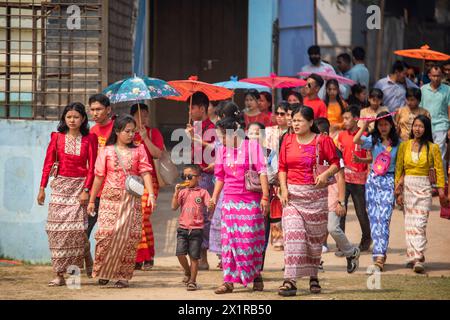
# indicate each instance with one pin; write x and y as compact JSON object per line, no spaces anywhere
{"x":86,"y":190}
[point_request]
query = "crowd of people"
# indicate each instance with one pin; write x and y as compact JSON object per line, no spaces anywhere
{"x":281,"y":178}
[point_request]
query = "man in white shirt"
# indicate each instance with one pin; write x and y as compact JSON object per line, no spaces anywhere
{"x":317,"y":65}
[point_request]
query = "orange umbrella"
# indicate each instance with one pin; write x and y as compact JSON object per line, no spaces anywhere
{"x":274,"y":82}
{"x":187,"y":88}
{"x":423,"y":53}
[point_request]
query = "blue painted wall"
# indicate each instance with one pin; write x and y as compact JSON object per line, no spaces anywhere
{"x":261,"y":15}
{"x":22,"y":221}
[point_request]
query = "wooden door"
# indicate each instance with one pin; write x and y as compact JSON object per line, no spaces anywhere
{"x":207,"y":38}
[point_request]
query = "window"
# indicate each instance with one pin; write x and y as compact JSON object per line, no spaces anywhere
{"x":50,"y":54}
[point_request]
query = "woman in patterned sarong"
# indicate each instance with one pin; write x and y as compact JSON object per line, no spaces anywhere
{"x":74,"y":150}
{"x":304,"y":199}
{"x":120,"y":217}
{"x":242,"y":211}
{"x":413,"y":188}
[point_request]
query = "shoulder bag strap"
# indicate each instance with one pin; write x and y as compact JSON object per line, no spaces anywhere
{"x":56,"y":147}
{"x":120,"y":160}
{"x":317,"y":149}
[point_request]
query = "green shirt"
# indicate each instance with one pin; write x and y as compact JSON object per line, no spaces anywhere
{"x":437,"y":102}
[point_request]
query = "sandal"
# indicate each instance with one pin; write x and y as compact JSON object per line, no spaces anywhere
{"x":191,"y":286}
{"x":418,"y":267}
{"x":147,"y":266}
{"x":121,"y":284}
{"x":314,"y":286}
{"x":288,"y":289}
{"x":379,"y":263}
{"x":103,"y":282}
{"x":226,"y":287}
{"x":58,"y":282}
{"x":258,"y":284}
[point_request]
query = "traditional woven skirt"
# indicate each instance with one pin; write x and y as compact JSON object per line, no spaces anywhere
{"x":305,"y":228}
{"x":418,"y":198}
{"x":242,"y":237}
{"x":380,"y":205}
{"x":118,"y":235}
{"x":215,"y":238}
{"x":66,"y":223}
{"x":146,"y":248}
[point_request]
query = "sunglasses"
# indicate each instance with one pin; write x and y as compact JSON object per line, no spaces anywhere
{"x":281,"y":114}
{"x":188,"y":176}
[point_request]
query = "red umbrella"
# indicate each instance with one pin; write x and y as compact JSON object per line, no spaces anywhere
{"x":275,"y":82}
{"x":187,"y":88}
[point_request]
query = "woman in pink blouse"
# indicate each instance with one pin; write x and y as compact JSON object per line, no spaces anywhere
{"x":120,"y":213}
{"x":243,"y":211}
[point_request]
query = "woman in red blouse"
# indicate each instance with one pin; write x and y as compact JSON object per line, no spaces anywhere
{"x":252,"y":113}
{"x":305,"y":200}
{"x":74,"y":149}
{"x":153,"y":142}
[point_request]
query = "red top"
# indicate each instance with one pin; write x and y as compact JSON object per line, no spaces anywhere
{"x":208,"y":133}
{"x":103,"y":132}
{"x":76,"y":157}
{"x":263,"y":118}
{"x":192,"y":202}
{"x":318,"y":106}
{"x":298,"y":160}
{"x":354,"y":172}
{"x":157,"y":139}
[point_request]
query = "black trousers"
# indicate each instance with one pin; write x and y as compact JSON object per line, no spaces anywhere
{"x":358,"y":193}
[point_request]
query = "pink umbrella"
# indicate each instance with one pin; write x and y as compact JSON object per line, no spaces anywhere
{"x":328,"y":75}
{"x":275,"y":82}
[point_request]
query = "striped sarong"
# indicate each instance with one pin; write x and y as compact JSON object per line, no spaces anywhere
{"x":243,"y":238}
{"x":118,"y":235}
{"x":418,"y":198}
{"x":305,"y":228}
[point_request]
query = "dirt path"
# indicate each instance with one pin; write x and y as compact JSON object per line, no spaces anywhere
{"x":164,"y":281}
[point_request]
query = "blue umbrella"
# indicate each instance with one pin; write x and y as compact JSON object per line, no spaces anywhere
{"x":234,"y":84}
{"x":136,"y":88}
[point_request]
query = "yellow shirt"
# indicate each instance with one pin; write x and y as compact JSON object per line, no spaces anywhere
{"x":334,"y":114}
{"x":405,"y":118}
{"x":405,"y":163}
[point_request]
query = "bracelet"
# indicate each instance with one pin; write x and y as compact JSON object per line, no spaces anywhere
{"x":265,"y":198}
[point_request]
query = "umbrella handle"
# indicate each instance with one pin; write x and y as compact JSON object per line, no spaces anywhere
{"x":190,"y":109}
{"x":273,"y":100}
{"x":139,"y":115}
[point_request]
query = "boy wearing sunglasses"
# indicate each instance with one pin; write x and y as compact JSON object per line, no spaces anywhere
{"x":193,"y":200}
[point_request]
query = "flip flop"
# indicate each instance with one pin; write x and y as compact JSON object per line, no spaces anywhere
{"x":57,"y":283}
